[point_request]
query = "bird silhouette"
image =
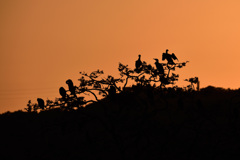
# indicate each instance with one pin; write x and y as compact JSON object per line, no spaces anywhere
{"x":159,"y":66}
{"x":169,"y":57}
{"x":62,"y":92}
{"x":41,"y":103}
{"x":138,"y":63}
{"x":71,"y":88}
{"x":112,"y":91}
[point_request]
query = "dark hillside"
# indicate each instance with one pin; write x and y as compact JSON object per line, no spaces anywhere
{"x":143,"y":124}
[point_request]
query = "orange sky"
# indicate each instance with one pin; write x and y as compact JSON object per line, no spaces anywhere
{"x":45,"y":42}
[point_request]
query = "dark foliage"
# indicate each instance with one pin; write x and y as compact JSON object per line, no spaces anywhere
{"x":144,"y":123}
{"x":142,"y":114}
{"x":96,"y":85}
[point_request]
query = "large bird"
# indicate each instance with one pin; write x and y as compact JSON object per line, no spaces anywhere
{"x":41,"y":103}
{"x":159,"y":66}
{"x":71,"y":88}
{"x":112,"y":91}
{"x":169,"y":57}
{"x":138,"y":63}
{"x":62,"y":92}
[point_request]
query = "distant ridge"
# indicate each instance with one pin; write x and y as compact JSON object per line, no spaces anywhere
{"x":139,"y":124}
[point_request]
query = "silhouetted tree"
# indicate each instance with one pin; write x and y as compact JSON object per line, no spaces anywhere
{"x":192,"y":82}
{"x":95,"y":84}
{"x":151,"y":75}
{"x":29,"y":106}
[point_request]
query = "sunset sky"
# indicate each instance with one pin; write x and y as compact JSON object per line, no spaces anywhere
{"x":45,"y":42}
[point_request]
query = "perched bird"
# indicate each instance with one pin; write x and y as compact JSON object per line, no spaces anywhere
{"x":169,"y":57}
{"x":149,"y":67}
{"x":164,"y":55}
{"x":41,"y":103}
{"x":112,"y":91}
{"x":174,"y":56}
{"x":62,"y":92}
{"x":159,"y":66}
{"x":71,"y":88}
{"x":138,"y":63}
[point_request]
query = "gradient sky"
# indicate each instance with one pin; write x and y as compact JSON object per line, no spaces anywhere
{"x":45,"y":42}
